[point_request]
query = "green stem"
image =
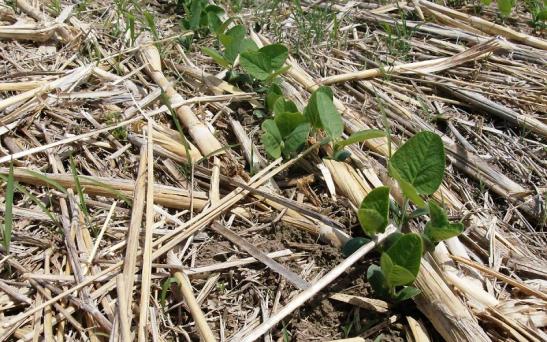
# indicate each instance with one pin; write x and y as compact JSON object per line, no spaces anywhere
{"x":403,"y":213}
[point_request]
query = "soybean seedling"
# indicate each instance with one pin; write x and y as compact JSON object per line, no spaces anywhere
{"x":263,"y":64}
{"x":418,"y":166}
{"x":289,"y":130}
{"x":201,"y":16}
{"x":504,"y":6}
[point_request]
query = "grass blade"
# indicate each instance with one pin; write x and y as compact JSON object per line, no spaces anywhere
{"x":47,"y":180}
{"x":8,"y":214}
{"x":35,"y":199}
{"x":78,"y":186}
{"x":110,"y":189}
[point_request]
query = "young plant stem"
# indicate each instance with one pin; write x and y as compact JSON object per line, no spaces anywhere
{"x":403,"y":212}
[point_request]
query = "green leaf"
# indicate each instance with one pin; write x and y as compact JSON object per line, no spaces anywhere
{"x":217,"y":57}
{"x":277,"y":53}
{"x":371,"y":221}
{"x":256,"y":64}
{"x":411,"y":193}
{"x":341,"y":155}
{"x":438,"y":215}
{"x":8,"y":212}
{"x":259,"y":113}
{"x":354,"y":244}
{"x":486,"y":2}
{"x":217,"y":10}
{"x":374,"y":211}
{"x":390,"y":240}
{"x":296,"y":140}
{"x":164,"y":288}
{"x":395,"y":275}
{"x":312,"y":113}
{"x":79,"y":189}
{"x":505,"y":7}
{"x":213,"y":14}
{"x":271,"y":138}
{"x":281,"y":106}
{"x":264,"y":63}
{"x":196,"y":8}
{"x":33,"y":198}
{"x":236,"y":33}
{"x":235,"y":43}
{"x":322,"y":113}
{"x":277,"y":73}
{"x":420,"y":162}
{"x":377,"y":281}
{"x":220,"y":30}
{"x":429,"y":246}
{"x":247,"y":45}
{"x":438,"y":228}
{"x":287,"y":122}
{"x":406,"y":293}
{"x":274,"y":92}
{"x":387,"y":266}
{"x":361,"y":136}
{"x":419,"y":212}
{"x":406,"y":253}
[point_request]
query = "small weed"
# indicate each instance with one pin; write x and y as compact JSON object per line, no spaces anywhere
{"x":165,"y":287}
{"x":55,"y":7}
{"x":311,"y":25}
{"x":504,"y":6}
{"x":353,"y":324}
{"x":12,"y":4}
{"x":286,"y":333}
{"x":79,"y":190}
{"x":34,"y":199}
{"x":201,"y":16}
{"x":82,"y":6}
{"x":151,"y":24}
{"x":398,"y":37}
{"x":538,"y":11}
{"x":113,"y":118}
{"x":221,"y":287}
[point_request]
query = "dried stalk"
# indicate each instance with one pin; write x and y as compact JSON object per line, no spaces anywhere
{"x":188,"y":295}
{"x":204,"y":139}
{"x":305,"y":295}
{"x":63,"y":31}
{"x":292,"y":277}
{"x":132,"y":246}
{"x":147,"y":251}
{"x":522,"y":287}
{"x":28,"y":32}
{"x":486,"y":26}
{"x":168,"y":196}
{"x":62,"y":83}
{"x":484,"y":104}
{"x":476,"y":52}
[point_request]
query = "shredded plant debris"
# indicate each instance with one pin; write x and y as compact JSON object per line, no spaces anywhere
{"x":245,"y":170}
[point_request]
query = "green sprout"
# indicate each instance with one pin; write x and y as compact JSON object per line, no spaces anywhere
{"x":418,"y":166}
